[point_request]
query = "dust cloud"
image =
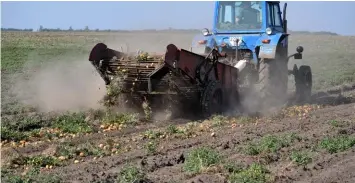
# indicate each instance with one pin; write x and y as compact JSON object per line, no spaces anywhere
{"x":59,"y":86}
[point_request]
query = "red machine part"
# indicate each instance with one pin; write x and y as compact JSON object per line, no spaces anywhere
{"x":189,"y":62}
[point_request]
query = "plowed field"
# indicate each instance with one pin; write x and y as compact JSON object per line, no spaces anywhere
{"x":53,"y":130}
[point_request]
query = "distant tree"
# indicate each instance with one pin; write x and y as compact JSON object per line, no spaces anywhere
{"x":86,"y":28}
{"x":40,"y":28}
{"x":70,"y":28}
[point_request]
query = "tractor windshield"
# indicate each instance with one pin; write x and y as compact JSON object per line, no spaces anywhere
{"x":239,"y":16}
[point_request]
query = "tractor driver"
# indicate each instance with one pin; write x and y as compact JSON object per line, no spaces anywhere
{"x":248,"y":15}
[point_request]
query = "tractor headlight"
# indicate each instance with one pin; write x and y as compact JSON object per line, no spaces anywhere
{"x":205,"y":32}
{"x":268,"y":31}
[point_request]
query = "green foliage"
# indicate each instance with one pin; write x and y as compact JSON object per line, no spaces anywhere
{"x":337,"y":123}
{"x":255,"y":173}
{"x":114,"y":90}
{"x":131,"y":174}
{"x":120,"y":118}
{"x":32,"y":176}
{"x":147,"y":110}
{"x":151,"y":147}
{"x":270,"y":144}
{"x":245,"y":119}
{"x":70,"y":150}
{"x":20,"y":127}
{"x":36,"y":161}
{"x":218,"y":120}
{"x":300,"y":158}
{"x":152,"y":134}
{"x":201,"y":158}
{"x":337,"y":144}
{"x":72,"y":123}
{"x":172,"y":129}
{"x":233,"y":167}
{"x":10,"y":134}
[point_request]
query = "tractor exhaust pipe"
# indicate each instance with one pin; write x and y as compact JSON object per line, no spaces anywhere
{"x":284,"y":18}
{"x":236,"y":50}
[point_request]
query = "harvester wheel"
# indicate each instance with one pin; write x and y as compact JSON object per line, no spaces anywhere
{"x":303,"y":81}
{"x":273,"y":79}
{"x":212,"y":99}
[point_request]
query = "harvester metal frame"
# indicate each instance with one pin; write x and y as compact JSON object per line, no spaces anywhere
{"x":201,"y":81}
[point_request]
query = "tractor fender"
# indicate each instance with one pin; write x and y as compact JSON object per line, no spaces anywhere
{"x":268,"y":50}
{"x":203,"y":48}
{"x":211,"y":42}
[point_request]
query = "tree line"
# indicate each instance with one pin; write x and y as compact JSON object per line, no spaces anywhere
{"x":87,"y":29}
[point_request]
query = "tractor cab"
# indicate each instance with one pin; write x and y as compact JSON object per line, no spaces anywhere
{"x":248,"y":17}
{"x":238,"y":16}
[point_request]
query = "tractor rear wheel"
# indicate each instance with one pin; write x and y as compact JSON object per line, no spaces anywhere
{"x":212,"y":99}
{"x":273,"y":80}
{"x":304,"y":83}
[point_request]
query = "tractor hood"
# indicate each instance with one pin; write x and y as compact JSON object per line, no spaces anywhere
{"x":267,"y":43}
{"x":249,"y":41}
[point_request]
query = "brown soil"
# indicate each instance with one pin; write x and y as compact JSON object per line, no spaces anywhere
{"x":165,"y":165}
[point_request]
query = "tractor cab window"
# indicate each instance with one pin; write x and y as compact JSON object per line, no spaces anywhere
{"x":239,"y":15}
{"x":274,"y":15}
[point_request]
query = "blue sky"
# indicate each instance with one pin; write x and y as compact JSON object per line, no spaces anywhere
{"x":333,"y":16}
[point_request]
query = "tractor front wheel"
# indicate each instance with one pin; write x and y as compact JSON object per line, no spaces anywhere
{"x":212,"y":99}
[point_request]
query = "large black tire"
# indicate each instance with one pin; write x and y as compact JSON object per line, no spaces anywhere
{"x":273,"y":80}
{"x":304,"y":82}
{"x":212,"y":99}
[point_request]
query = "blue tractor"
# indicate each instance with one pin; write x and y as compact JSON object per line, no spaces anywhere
{"x":253,"y":35}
